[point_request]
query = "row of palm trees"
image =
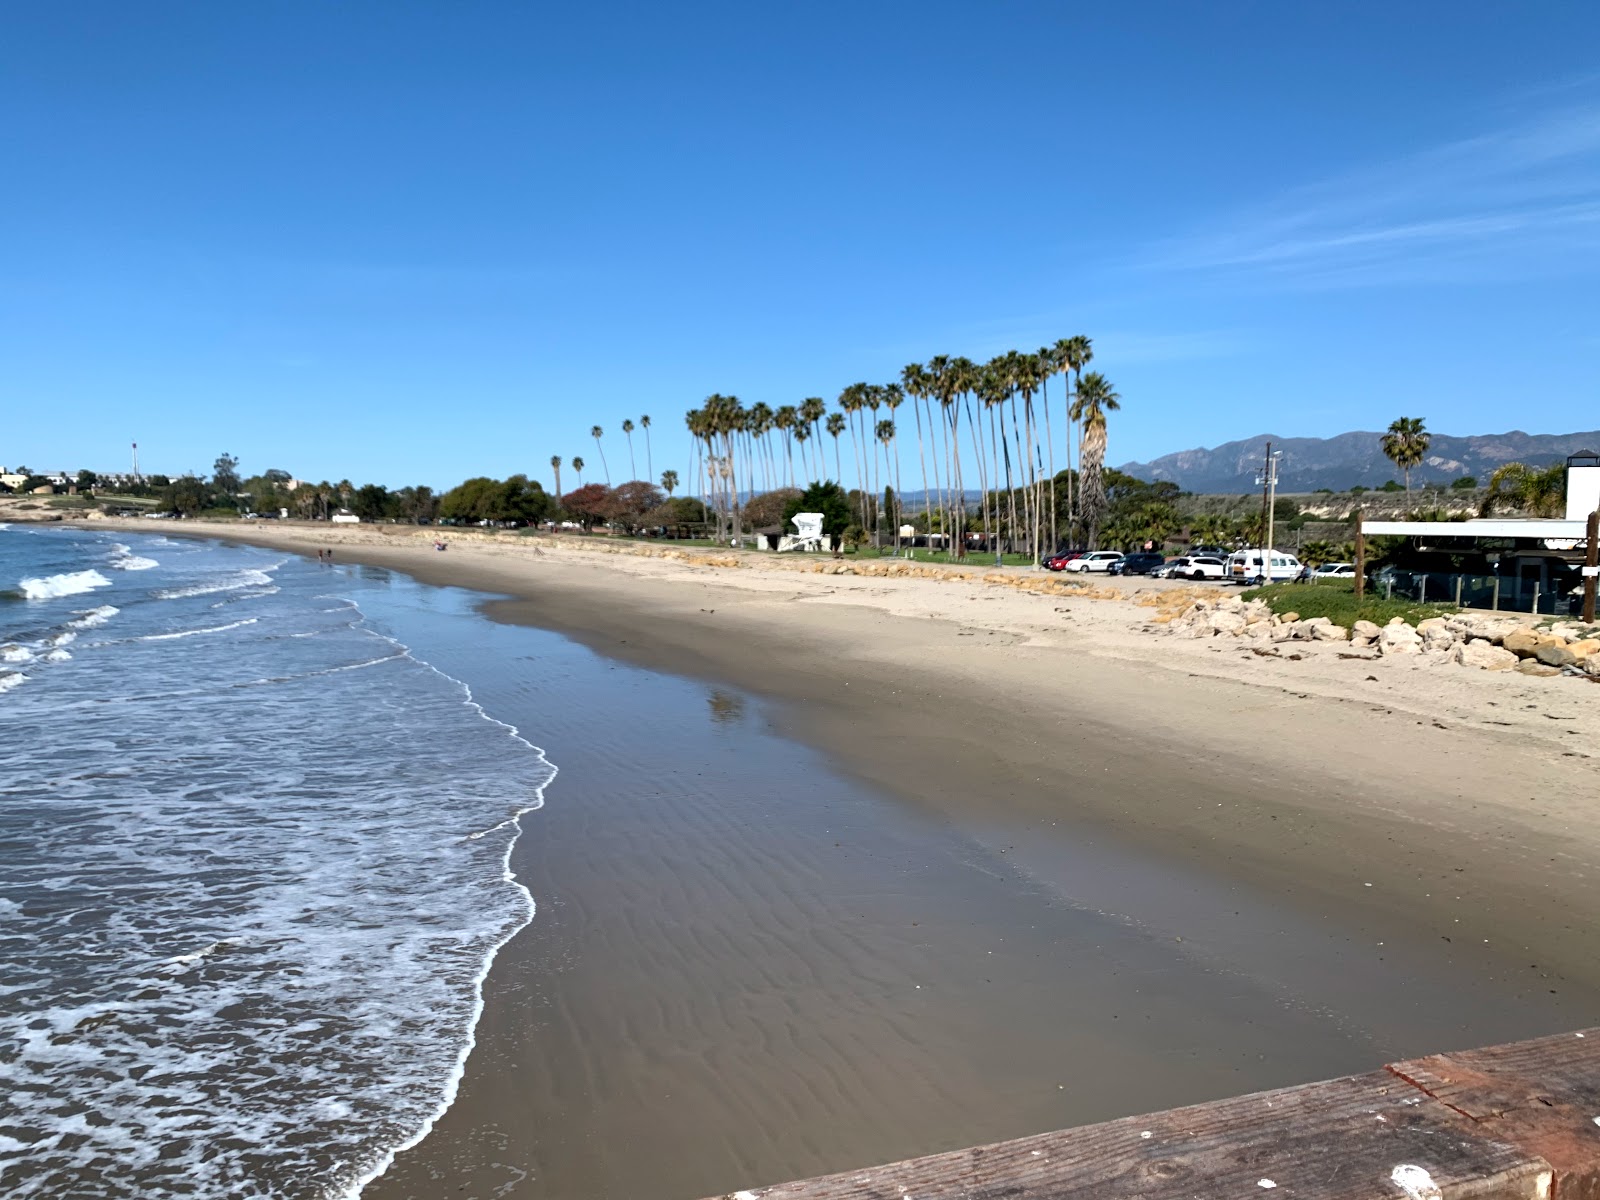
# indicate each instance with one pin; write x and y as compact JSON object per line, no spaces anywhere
{"x":992,"y":420}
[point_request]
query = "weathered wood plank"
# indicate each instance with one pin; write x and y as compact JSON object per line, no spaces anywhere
{"x":1358,"y":1138}
{"x":1542,"y":1095}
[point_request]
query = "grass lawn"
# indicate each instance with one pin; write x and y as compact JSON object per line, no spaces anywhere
{"x":1336,"y":600}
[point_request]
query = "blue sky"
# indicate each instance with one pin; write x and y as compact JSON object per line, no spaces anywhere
{"x":412,"y":242}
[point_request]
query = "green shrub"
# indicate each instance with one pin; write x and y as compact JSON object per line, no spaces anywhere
{"x":1336,"y":600}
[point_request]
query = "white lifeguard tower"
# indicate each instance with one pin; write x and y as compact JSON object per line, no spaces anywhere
{"x":809,"y":535}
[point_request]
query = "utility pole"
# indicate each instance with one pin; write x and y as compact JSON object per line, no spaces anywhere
{"x":1591,"y":566}
{"x":136,"y":476}
{"x":1269,"y":494}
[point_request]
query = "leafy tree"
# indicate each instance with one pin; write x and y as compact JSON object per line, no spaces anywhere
{"x":1405,"y":445}
{"x":1538,"y":491}
{"x":370,"y":502}
{"x":770,"y":508}
{"x":1392,"y":486}
{"x":34,"y":481}
{"x":1465,"y":484}
{"x":590,"y":503}
{"x":225,"y":476}
{"x":827,"y":498}
{"x":159,"y":481}
{"x":87,"y":480}
{"x":631,"y":501}
{"x":186,"y":495}
{"x":1359,"y":489}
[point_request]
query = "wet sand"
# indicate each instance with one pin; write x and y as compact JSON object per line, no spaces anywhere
{"x":1012,"y":885}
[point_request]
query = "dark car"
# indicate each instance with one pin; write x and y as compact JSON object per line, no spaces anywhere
{"x":1141,"y":563}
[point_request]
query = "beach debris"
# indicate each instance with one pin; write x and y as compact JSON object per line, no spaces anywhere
{"x":1415,"y":1182}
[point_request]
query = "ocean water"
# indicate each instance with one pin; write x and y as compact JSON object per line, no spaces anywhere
{"x":254,"y":865}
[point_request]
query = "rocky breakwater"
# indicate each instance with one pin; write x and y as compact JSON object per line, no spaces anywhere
{"x":1483,"y":641}
{"x":1250,"y":621}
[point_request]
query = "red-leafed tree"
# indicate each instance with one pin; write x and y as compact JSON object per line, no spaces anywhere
{"x":592,"y":503}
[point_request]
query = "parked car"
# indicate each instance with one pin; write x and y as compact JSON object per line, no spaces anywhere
{"x":1197,"y":566}
{"x":1245,"y":566}
{"x":1095,"y":560}
{"x":1142,"y":562}
{"x":1058,"y":562}
{"x":1335,"y":571}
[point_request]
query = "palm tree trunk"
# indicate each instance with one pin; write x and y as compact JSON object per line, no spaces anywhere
{"x":922,"y":462}
{"x":1050,"y":446}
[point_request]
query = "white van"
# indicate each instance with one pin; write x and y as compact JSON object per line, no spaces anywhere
{"x":1245,"y":566}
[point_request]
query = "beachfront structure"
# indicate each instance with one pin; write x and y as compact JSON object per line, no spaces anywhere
{"x":1525,"y":564}
{"x":808,"y":535}
{"x":345,"y":517}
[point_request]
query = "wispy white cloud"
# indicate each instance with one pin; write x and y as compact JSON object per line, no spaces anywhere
{"x":1521,"y":199}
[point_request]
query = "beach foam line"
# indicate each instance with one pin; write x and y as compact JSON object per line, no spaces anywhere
{"x":453,"y":1085}
{"x":52,"y":587}
{"x":183,"y":633}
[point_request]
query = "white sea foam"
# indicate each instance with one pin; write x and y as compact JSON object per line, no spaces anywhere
{"x":183,"y":633}
{"x":11,"y":679}
{"x":233,"y":581}
{"x":94,"y":617}
{"x":11,"y":652}
{"x":264,"y":946}
{"x":54,"y":656}
{"x":73,"y":583}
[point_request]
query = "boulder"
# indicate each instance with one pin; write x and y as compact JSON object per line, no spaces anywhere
{"x":1330,"y":633}
{"x":1484,"y":655}
{"x":1399,"y":639}
{"x":1282,"y":633}
{"x":1584,"y":648}
{"x":1364,"y":633}
{"x":1524,"y":643}
{"x":1555,"y":656}
{"x":1226,"y":622}
{"x":1532,"y":666}
{"x":1289,"y":618}
{"x":1436,"y":634}
{"x":1230,"y":604}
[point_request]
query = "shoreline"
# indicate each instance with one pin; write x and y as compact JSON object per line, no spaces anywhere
{"x":1352,"y":817}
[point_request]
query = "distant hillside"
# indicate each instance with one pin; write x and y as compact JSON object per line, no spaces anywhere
{"x":1354,"y":458}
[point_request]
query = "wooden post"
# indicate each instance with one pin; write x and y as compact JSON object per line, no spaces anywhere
{"x":1361,"y":558}
{"x":1496,"y":604}
{"x":1591,"y":563}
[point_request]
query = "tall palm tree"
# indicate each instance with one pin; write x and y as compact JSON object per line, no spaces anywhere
{"x":851,"y":401}
{"x":784,"y":420}
{"x":555,"y":461}
{"x":649,"y":467}
{"x":596,"y":433}
{"x":1405,"y":445}
{"x":669,"y":482}
{"x":885,"y":434}
{"x":1537,"y":491}
{"x":801,"y":433}
{"x":836,"y":425}
{"x":914,"y":382}
{"x":812,"y":410}
{"x":893,"y":397}
{"x":633,"y":466}
{"x":577,"y":465}
{"x":1078,"y":352}
{"x":1094,"y":399}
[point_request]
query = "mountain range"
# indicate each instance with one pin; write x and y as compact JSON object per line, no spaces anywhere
{"x":1354,"y":458}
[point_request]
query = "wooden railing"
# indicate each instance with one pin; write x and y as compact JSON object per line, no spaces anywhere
{"x":1519,"y":1121}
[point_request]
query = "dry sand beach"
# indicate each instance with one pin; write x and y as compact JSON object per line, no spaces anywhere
{"x":1305,"y":867}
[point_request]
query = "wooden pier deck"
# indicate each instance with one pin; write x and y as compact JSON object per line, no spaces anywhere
{"x":1515,"y":1122}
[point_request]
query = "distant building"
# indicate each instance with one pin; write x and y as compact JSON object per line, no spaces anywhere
{"x":345,"y":517}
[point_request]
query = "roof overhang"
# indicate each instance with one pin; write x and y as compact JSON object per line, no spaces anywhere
{"x":1488,"y":528}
